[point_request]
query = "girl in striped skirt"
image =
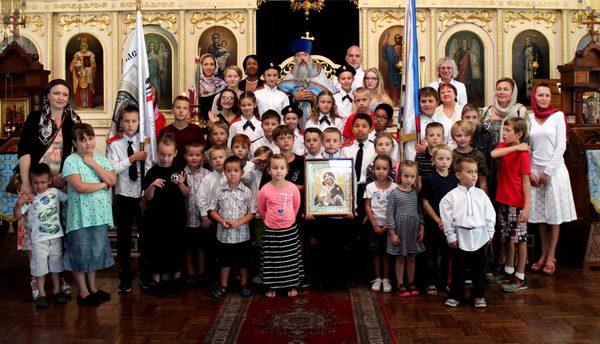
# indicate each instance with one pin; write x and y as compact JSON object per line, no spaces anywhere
{"x":278,"y":205}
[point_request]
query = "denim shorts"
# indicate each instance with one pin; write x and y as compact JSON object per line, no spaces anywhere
{"x":88,"y":249}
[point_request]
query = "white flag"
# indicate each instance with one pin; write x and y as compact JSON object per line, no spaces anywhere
{"x":135,"y":89}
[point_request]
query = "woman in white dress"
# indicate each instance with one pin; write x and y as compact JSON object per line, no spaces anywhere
{"x":448,"y":112}
{"x":551,"y":195}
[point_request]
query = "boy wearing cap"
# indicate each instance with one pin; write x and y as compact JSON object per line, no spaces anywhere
{"x":268,"y":96}
{"x":343,"y":98}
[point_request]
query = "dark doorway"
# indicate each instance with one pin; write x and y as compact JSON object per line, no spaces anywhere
{"x":335,"y":28}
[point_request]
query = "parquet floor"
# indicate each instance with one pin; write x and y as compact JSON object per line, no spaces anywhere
{"x":564,"y":308}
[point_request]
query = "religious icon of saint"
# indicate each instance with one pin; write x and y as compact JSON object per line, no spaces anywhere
{"x":392,"y":54}
{"x":83,"y":67}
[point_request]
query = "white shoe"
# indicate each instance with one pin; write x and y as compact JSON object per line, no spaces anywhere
{"x":35,"y":293}
{"x":387,"y":286}
{"x":452,"y":302}
{"x":376,"y":284}
{"x":65,"y":287}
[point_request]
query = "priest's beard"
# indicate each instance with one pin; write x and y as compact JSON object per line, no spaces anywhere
{"x":302,"y":71}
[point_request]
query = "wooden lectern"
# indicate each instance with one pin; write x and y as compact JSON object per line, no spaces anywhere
{"x":580,"y":79}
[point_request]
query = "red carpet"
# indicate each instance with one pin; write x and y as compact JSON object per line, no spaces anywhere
{"x":353,"y":316}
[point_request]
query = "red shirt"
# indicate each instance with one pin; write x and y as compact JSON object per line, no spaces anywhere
{"x":188,"y":134}
{"x":510,"y":177}
{"x":347,"y":133}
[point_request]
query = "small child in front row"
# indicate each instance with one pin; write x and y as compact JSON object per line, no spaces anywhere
{"x":468,"y":218}
{"x":232,"y":208}
{"x":43,"y":212}
{"x":435,"y":186}
{"x":165,"y":189}
{"x":197,"y":239}
{"x":405,"y":226}
{"x":291,"y":117}
{"x":278,"y":206}
{"x":513,"y":194}
{"x":313,"y":143}
{"x":376,"y":201}
{"x":462,"y":132}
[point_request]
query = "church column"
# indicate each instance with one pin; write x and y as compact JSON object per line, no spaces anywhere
{"x":182,"y":49}
{"x":50,"y":37}
{"x":363,"y":39}
{"x":251,"y":41}
{"x":565,"y":36}
{"x":432,"y":46}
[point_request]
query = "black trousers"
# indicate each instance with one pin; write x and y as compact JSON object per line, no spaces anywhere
{"x":128,"y":212}
{"x":437,"y":255}
{"x":474,"y":263}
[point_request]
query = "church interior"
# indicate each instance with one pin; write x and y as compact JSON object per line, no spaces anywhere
{"x":554,"y":42}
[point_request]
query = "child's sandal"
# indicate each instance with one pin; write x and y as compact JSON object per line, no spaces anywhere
{"x":550,"y":269}
{"x":270,"y":294}
{"x":413,"y":290}
{"x":432,"y":290}
{"x":402,"y":292}
{"x":292,"y":293}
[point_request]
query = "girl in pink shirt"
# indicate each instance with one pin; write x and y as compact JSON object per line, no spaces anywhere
{"x":278,"y":205}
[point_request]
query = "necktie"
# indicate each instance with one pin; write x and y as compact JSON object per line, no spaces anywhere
{"x":324,"y":119}
{"x":248,"y":124}
{"x":358,"y":161}
{"x":133,"y":174}
{"x":347,"y":97}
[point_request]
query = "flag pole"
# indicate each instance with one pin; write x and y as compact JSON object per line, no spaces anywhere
{"x":142,"y":139}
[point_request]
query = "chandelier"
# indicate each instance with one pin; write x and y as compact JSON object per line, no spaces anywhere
{"x":307,"y":6}
{"x":13,"y":16}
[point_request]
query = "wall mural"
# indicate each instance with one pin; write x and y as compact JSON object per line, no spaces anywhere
{"x":466,"y":48}
{"x":84,"y":68}
{"x":529,"y":46}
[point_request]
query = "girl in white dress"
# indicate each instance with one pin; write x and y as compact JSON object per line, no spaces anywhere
{"x":551,"y":196}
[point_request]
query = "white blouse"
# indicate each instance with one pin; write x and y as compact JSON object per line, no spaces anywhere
{"x":548,"y":142}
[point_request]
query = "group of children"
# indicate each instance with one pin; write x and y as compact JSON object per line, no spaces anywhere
{"x":235,"y":201}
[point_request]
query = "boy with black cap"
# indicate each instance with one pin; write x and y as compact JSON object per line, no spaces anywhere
{"x":269,"y":97}
{"x":343,"y":98}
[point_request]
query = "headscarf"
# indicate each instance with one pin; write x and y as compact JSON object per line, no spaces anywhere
{"x":541,"y":113}
{"x":512,"y":107}
{"x":47,"y":128}
{"x":209,"y":85}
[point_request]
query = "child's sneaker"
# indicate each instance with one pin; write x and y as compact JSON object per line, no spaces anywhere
{"x":66,"y":288}
{"x":376,"y":284}
{"x":516,"y":285}
{"x":503,"y":277}
{"x":452,"y":302}
{"x":219,"y":292}
{"x":480,"y":302}
{"x":387,"y":286}
{"x":35,"y":293}
{"x":124,"y":288}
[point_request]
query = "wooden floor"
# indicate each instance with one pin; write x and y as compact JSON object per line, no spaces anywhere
{"x":564,"y":308}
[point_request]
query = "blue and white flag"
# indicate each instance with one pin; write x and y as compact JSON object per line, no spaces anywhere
{"x":411,"y":100}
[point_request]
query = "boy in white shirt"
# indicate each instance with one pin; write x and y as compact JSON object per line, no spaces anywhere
{"x":313,"y":139}
{"x":127,"y":160}
{"x":469,"y":218}
{"x":43,"y":215}
{"x":269,"y":97}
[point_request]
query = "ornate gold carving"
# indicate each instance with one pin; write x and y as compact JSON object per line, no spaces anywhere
{"x":81,"y":5}
{"x":577,"y":19}
{"x":67,"y":21}
{"x":149,"y":4}
{"x":166,"y":20}
{"x":448,"y":18}
{"x":199,"y":20}
{"x":513,"y":18}
{"x":35,"y":23}
{"x":381,"y":18}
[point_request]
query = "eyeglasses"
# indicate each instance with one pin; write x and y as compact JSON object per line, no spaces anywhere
{"x":227,"y":97}
{"x":372,"y":78}
{"x":381,"y":118}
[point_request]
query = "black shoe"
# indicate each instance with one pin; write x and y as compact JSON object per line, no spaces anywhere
{"x":102,"y":296}
{"x":41,"y":303}
{"x":158,"y":290}
{"x":89,"y":300}
{"x":60,"y":298}
{"x":124,"y":288}
{"x":176,"y":286}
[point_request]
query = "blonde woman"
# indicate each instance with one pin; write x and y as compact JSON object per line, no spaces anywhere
{"x":373,"y":81}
